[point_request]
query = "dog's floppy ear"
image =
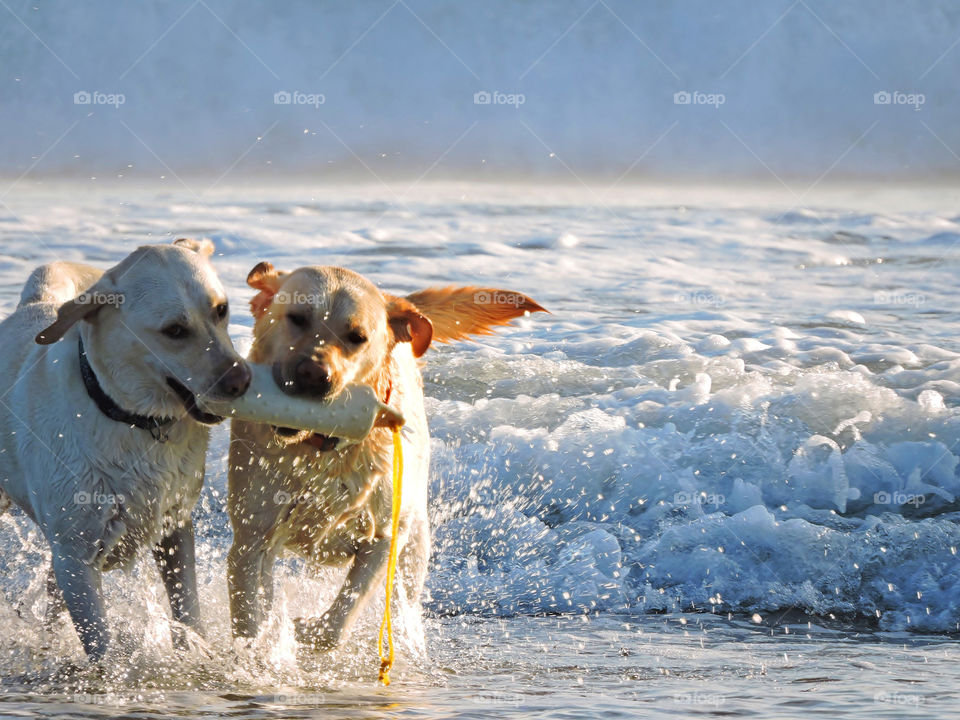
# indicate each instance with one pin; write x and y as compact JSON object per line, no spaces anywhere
{"x":83,"y":307}
{"x":459,"y":312}
{"x":202,"y":247}
{"x":267,"y":279}
{"x":408,"y":324}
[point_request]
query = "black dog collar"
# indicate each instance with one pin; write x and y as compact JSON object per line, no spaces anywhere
{"x":154,"y":425}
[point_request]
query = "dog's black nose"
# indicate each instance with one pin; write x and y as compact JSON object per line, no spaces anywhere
{"x":236,"y":380}
{"x":313,"y":377}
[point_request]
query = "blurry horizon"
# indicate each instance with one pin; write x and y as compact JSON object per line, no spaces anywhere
{"x":586,"y":91}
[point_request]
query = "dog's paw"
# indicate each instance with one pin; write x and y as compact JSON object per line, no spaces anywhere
{"x":316,"y":633}
{"x":189,"y":640}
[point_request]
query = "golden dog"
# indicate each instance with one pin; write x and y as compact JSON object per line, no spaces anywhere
{"x":321,"y":328}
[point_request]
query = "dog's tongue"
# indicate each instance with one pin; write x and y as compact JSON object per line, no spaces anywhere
{"x":323,"y":443}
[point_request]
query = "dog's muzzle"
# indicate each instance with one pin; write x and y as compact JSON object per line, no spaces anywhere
{"x":310,"y":378}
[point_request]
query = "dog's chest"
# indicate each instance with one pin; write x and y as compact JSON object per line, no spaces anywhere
{"x":158,"y":484}
{"x":137,"y":496}
{"x":342,"y":503}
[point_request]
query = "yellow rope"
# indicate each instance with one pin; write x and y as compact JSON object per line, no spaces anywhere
{"x":386,"y":661}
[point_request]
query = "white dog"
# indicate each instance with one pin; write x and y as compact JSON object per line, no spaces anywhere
{"x":321,"y":328}
{"x":101,"y":441}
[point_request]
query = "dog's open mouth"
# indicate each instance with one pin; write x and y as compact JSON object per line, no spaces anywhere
{"x":286,"y":432}
{"x":189,"y":401}
{"x":288,"y":435}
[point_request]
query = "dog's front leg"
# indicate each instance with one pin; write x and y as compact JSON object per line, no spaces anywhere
{"x":55,"y":604}
{"x":249,"y":572}
{"x":333,"y":626}
{"x":175,"y":558}
{"x":82,"y":594}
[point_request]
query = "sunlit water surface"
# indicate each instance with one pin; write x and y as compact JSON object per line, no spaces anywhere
{"x":720,"y":478}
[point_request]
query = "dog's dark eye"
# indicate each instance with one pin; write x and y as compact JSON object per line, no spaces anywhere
{"x":175,"y":331}
{"x":357,"y":337}
{"x":297,"y":319}
{"x":222,"y":309}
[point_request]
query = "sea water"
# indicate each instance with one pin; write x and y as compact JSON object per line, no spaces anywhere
{"x":720,"y":477}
